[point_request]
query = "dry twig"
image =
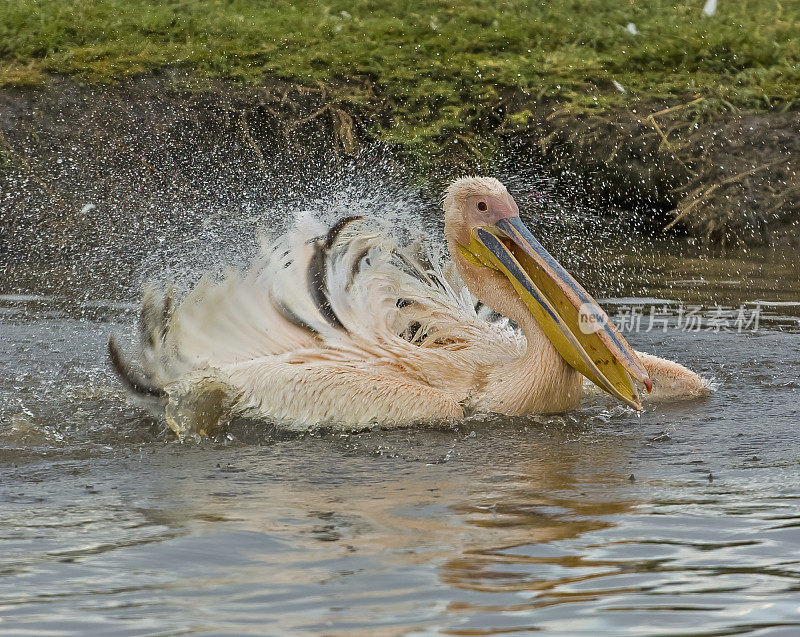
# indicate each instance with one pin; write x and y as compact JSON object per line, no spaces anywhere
{"x":698,"y":197}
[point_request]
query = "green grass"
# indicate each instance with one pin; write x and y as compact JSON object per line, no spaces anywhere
{"x":443,"y":67}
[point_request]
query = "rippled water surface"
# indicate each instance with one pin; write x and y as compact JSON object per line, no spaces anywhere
{"x":682,"y":520}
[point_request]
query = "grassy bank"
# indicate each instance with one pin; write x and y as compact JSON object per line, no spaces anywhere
{"x":652,"y":104}
{"x":443,"y":68}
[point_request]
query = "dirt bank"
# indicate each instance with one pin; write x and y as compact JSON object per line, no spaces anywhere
{"x":84,"y":166}
{"x":728,"y":178}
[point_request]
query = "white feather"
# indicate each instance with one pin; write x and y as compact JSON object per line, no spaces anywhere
{"x":410,"y":332}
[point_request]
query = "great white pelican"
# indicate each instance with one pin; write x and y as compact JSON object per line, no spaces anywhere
{"x":346,"y":328}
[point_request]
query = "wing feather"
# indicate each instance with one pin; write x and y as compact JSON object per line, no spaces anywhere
{"x":351,"y":293}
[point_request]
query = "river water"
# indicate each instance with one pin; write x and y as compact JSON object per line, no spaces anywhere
{"x":684,"y":519}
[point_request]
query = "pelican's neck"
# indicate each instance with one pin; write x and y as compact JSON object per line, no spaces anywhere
{"x":538,"y":381}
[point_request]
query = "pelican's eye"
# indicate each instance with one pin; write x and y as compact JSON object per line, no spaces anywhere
{"x":482,"y":206}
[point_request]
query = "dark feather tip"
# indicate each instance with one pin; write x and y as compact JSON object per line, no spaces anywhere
{"x":134,"y":382}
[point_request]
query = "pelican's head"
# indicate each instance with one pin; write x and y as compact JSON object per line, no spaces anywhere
{"x":490,"y":244}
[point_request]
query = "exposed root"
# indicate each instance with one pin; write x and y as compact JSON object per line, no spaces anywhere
{"x":345,"y":131}
{"x":699,"y":194}
{"x":249,"y":138}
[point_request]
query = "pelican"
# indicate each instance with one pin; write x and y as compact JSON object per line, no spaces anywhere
{"x":345,"y":328}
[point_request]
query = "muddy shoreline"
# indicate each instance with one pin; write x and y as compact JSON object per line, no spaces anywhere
{"x":730,"y":179}
{"x":83,"y":165}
